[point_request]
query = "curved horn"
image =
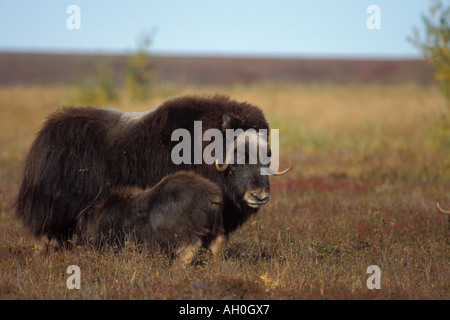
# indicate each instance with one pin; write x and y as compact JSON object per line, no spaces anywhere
{"x":442,"y":210}
{"x":219,"y":168}
{"x":280,"y":173}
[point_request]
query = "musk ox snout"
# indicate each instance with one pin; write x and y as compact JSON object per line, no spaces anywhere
{"x":257,"y":197}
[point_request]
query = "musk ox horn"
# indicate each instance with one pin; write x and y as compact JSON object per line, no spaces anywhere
{"x":442,"y":210}
{"x":219,"y":168}
{"x":280,"y":173}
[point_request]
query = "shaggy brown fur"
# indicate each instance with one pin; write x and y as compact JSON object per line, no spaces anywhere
{"x":179,"y":214}
{"x":82,"y":153}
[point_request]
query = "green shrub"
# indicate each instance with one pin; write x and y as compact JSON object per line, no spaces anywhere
{"x":140,"y":71}
{"x":97,"y":90}
{"x":434,"y":45}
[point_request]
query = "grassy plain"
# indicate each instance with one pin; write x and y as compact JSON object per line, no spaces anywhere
{"x":366,"y":176}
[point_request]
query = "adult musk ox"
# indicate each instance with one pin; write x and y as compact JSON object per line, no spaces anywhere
{"x":82,"y":153}
{"x":442,"y":210}
{"x":179,"y":214}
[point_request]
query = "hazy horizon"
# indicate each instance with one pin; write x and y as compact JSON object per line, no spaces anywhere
{"x":290,"y":29}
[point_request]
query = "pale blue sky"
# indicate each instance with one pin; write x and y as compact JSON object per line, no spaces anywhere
{"x":301,"y":28}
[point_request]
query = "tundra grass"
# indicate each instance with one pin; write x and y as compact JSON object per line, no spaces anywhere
{"x":366,"y":175}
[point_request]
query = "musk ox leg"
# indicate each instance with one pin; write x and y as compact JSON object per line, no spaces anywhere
{"x":42,"y":243}
{"x":217,"y":246}
{"x":187,"y":251}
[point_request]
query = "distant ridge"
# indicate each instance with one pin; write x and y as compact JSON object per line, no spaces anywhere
{"x":51,"y":69}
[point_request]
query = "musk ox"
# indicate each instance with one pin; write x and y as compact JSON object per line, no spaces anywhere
{"x":445,"y":212}
{"x":82,"y":153}
{"x":179,"y":214}
{"x":442,"y":210}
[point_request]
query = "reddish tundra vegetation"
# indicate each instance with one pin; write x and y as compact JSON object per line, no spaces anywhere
{"x":366,"y":175}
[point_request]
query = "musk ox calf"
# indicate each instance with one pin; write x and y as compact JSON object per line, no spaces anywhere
{"x":179,"y":214}
{"x":82,"y":153}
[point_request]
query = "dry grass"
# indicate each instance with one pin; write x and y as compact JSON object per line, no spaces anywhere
{"x":363,"y":191}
